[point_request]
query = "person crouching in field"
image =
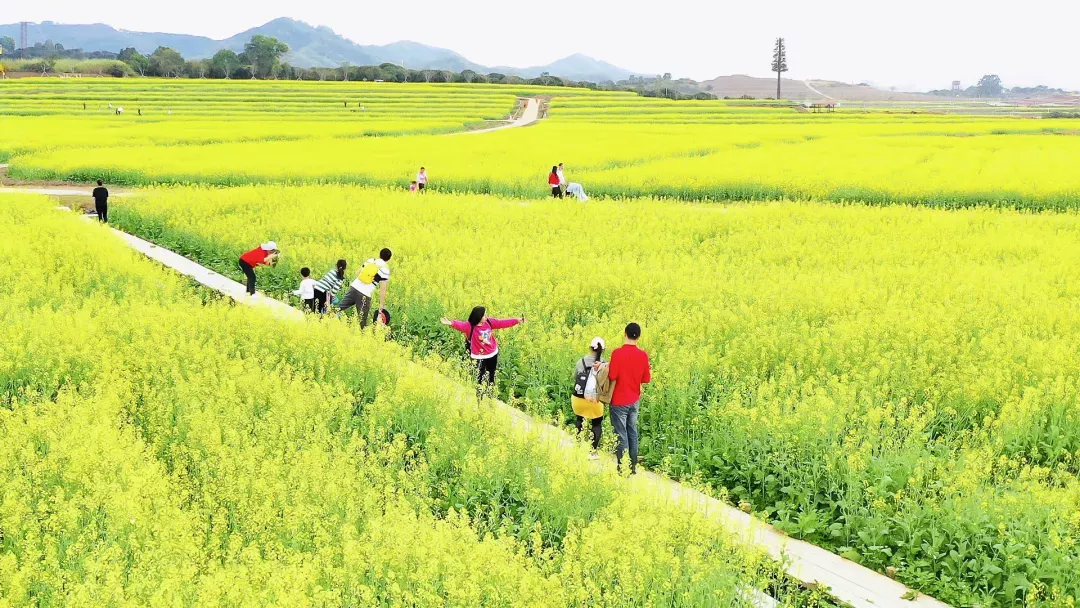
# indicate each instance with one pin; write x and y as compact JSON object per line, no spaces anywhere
{"x":556,"y":185}
{"x":327,"y":286}
{"x":374,"y":272}
{"x":480,"y":342}
{"x":263,"y":255}
{"x":591,"y":390}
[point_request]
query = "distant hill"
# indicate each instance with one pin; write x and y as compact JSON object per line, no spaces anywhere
{"x":799,"y":90}
{"x":310,"y":47}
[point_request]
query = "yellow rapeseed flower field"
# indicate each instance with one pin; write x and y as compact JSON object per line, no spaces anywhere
{"x":159,"y":449}
{"x":852,"y":371}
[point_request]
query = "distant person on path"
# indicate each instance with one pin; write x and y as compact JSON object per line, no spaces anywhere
{"x":101,"y":202}
{"x":263,"y":255}
{"x":586,"y":398}
{"x":307,"y":289}
{"x":413,"y":186}
{"x":629,"y":369}
{"x":562,"y":177}
{"x":421,"y":179}
{"x":553,"y":181}
{"x":480,"y":343}
{"x":374,"y":272}
{"x":329,"y":285}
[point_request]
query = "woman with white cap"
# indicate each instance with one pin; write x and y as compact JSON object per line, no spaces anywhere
{"x":263,"y":255}
{"x":586,"y":398}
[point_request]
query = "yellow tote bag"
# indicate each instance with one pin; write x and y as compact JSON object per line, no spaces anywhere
{"x":587,"y":409}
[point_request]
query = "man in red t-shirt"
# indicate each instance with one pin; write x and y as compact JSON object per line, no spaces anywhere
{"x":628,"y":369}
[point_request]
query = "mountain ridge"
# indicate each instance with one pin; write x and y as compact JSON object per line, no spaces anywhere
{"x":310,"y":46}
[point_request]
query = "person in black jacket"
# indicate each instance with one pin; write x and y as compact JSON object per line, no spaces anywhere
{"x":101,"y":202}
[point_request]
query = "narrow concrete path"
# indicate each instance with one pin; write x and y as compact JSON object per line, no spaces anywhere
{"x":57,"y":191}
{"x":529,"y":115}
{"x":811,"y":565}
{"x":817,"y":92}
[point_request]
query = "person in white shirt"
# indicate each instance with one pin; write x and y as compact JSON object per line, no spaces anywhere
{"x":562,"y":177}
{"x":307,"y":289}
{"x":373,"y":272}
{"x":421,"y":179}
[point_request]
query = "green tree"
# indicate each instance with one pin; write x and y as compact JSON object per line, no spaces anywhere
{"x":779,"y":62}
{"x":990,"y":86}
{"x":135,"y":59}
{"x":264,"y":53}
{"x":166,"y":62}
{"x":223,"y":64}
{"x":8,"y":44}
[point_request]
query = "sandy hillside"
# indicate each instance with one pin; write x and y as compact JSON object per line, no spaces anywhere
{"x":798,"y":90}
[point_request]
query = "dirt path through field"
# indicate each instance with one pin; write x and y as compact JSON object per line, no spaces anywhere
{"x":529,"y":115}
{"x":844,"y":580}
{"x":817,"y":92}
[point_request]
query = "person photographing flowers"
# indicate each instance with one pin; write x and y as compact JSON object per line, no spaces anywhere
{"x":263,"y":255}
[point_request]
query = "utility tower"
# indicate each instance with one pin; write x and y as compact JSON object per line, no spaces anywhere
{"x":23,"y":25}
{"x":956,"y":86}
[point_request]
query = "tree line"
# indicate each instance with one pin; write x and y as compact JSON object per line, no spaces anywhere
{"x":262,"y":58}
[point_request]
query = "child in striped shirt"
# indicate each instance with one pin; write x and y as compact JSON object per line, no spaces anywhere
{"x":328,"y":285}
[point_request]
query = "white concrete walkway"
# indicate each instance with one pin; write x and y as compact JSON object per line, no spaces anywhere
{"x":529,"y":115}
{"x":58,"y":191}
{"x":844,"y":580}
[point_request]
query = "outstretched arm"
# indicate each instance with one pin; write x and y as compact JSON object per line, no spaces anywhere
{"x":461,"y":326}
{"x":504,"y":323}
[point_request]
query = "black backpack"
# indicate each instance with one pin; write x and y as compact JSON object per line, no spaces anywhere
{"x":582,"y":380}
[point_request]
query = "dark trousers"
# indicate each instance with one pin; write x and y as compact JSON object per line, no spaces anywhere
{"x":320,"y":301}
{"x":311,"y":304}
{"x":420,"y":185}
{"x":102,"y":212}
{"x":556,"y":192}
{"x":597,"y":429}
{"x":361,"y":302}
{"x":485,"y":367}
{"x":249,"y":272}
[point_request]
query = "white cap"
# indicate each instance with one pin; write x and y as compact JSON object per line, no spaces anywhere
{"x":597,"y":343}
{"x":269,"y":246}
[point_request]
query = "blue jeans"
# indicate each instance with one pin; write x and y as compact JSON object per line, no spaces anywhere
{"x":624,"y":421}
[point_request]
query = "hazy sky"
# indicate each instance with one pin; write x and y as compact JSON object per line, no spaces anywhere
{"x":915,"y":43}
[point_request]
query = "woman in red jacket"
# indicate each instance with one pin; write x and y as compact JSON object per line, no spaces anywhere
{"x":555,"y":183}
{"x":264,"y":255}
{"x":480,"y":341}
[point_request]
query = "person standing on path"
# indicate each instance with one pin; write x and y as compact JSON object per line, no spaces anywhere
{"x":629,"y":369}
{"x":421,"y":179}
{"x":306,"y":291}
{"x":101,"y":202}
{"x":480,"y":342}
{"x":585,"y":400}
{"x":263,"y":255}
{"x":374,"y":272}
{"x":329,"y":284}
{"x":553,"y":181}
